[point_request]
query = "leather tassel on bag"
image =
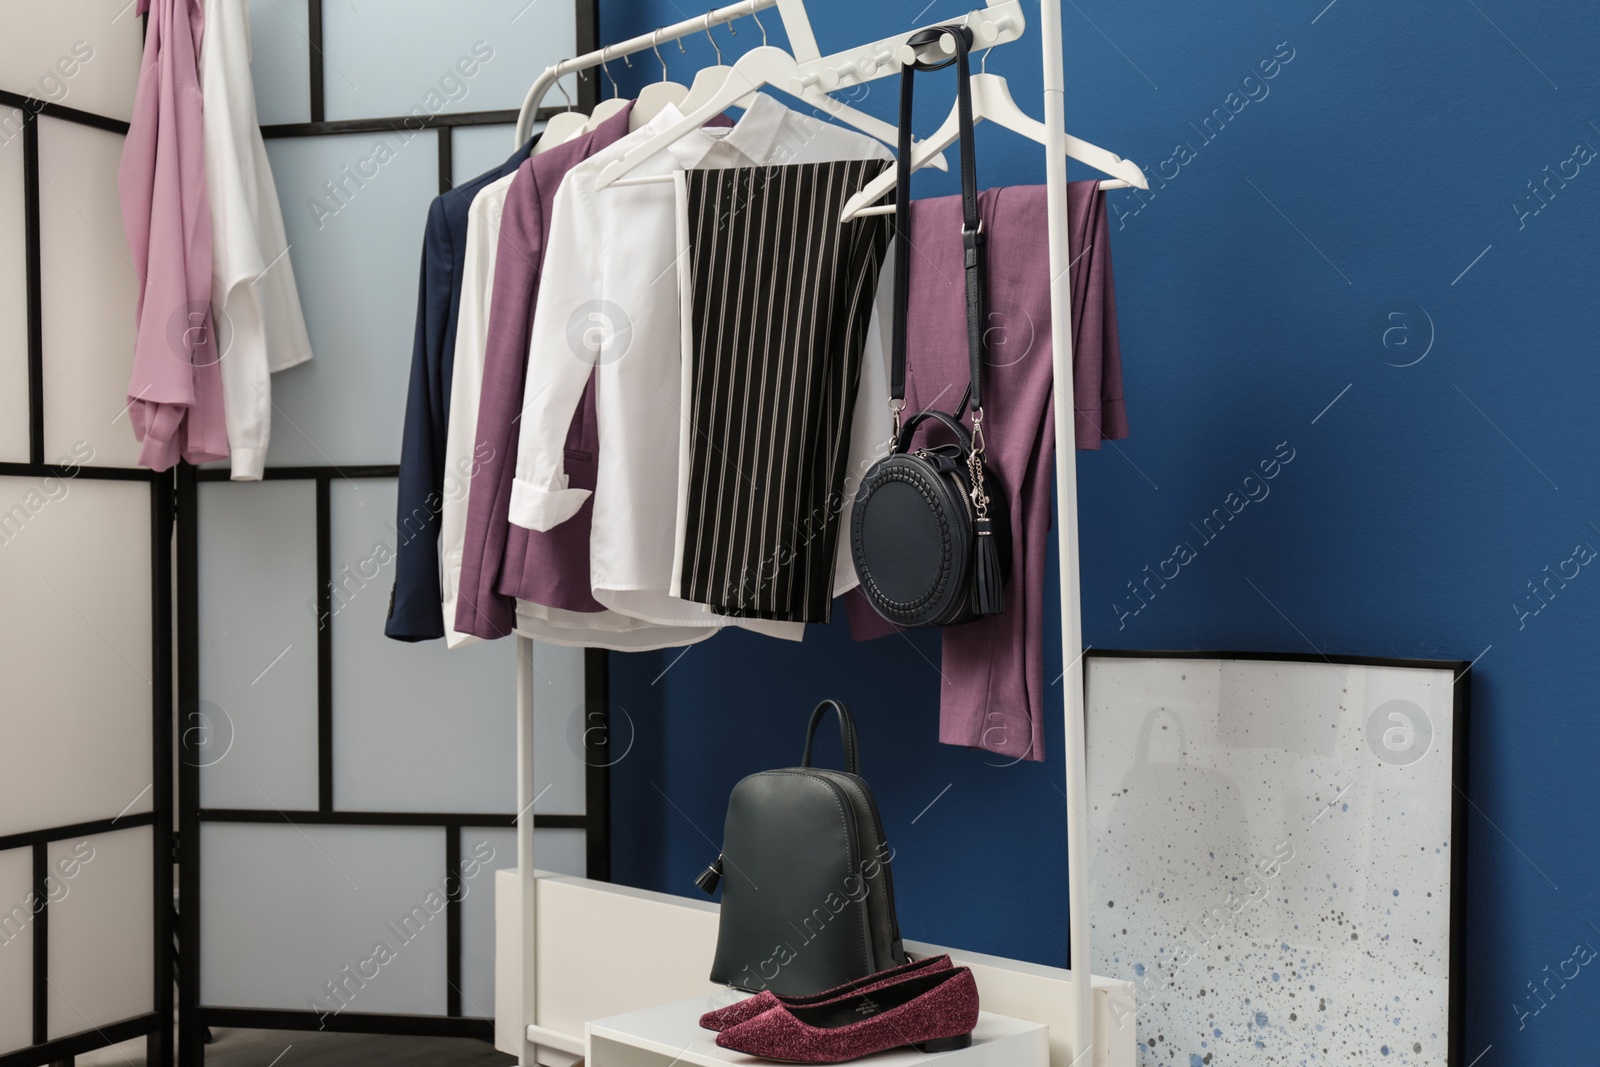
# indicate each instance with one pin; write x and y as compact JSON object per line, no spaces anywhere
{"x":989,"y":596}
{"x":709,"y":878}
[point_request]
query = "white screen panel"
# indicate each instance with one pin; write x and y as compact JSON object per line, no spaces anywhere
{"x":280,"y":60}
{"x":13,"y":295}
{"x":477,"y":149}
{"x":294,"y":917}
{"x":560,"y":720}
{"x":356,"y":258}
{"x":90,"y":288}
{"x":16,"y":948}
{"x":258,"y":646}
{"x":416,"y":726}
{"x":75,"y":578}
{"x":102,"y":934}
{"x":483,"y":851}
{"x":83,"y":54}
{"x":561,"y":851}
{"x":439,"y":56}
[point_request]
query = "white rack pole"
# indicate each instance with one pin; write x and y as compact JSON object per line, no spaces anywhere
{"x":526,"y":884}
{"x":686,"y":28}
{"x":1055,"y":163}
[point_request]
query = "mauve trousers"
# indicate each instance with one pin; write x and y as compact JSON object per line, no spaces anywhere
{"x":992,"y":696}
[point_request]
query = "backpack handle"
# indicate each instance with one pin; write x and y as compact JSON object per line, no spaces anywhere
{"x":847,"y":735}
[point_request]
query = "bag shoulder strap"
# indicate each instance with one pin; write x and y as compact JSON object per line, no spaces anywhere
{"x":971,"y":224}
{"x":847,"y":735}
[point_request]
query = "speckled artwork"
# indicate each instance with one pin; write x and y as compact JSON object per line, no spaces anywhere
{"x":1271,"y":857}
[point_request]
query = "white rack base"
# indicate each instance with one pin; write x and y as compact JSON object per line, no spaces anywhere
{"x":669,"y":1034}
{"x":606,"y":950}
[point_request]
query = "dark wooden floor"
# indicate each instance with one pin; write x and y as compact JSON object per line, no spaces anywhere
{"x":278,"y":1048}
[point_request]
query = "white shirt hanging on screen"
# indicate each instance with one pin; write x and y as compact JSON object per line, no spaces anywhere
{"x":260,"y":325}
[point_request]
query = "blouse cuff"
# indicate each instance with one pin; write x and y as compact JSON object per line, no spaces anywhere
{"x":536,"y":508}
{"x":248,"y":464}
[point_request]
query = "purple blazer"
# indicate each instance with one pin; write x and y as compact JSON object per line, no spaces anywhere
{"x":993,"y":693}
{"x":501,"y":563}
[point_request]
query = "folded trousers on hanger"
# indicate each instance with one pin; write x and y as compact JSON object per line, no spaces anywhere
{"x":992,"y":695}
{"x":781,"y":302}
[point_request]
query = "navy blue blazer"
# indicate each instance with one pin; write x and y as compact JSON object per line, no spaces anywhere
{"x":415,"y":605}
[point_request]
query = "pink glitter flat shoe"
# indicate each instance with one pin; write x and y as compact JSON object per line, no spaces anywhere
{"x":766,"y":1000}
{"x":932,"y":1011}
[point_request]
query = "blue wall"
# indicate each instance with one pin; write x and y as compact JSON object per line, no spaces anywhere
{"x":1384,"y":169}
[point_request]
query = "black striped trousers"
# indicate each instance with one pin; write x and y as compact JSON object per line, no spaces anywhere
{"x":781,"y":300}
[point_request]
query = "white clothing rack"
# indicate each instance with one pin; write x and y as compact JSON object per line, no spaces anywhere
{"x":997,"y":23}
{"x":632,"y":46}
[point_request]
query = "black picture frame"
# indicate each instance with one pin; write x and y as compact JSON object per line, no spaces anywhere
{"x":1461,"y":671}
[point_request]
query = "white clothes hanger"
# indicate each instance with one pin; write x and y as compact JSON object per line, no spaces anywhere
{"x":992,"y":100}
{"x":711,"y":79}
{"x":609,"y":106}
{"x":561,"y":126}
{"x":653,"y":98}
{"x":604,"y":110}
{"x":762,"y":66}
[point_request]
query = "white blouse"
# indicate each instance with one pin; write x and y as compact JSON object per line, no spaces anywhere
{"x":600,"y":629}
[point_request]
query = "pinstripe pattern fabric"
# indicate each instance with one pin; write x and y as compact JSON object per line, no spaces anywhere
{"x":781,"y":300}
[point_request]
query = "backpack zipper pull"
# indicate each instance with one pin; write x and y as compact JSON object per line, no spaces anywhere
{"x":710,"y":877}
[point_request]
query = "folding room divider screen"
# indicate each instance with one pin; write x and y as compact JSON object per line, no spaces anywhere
{"x":342,"y":790}
{"x":85,"y":578}
{"x":141,"y":607}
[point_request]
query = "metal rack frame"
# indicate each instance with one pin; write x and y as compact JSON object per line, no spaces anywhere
{"x":866,"y":62}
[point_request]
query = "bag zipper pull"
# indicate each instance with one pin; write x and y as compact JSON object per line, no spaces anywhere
{"x":709,"y":878}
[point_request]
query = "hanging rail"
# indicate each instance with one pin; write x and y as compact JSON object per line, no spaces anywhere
{"x":997,"y":23}
{"x":686,"y":28}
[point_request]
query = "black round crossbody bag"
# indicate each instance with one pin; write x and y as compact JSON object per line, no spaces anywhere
{"x":929,"y":532}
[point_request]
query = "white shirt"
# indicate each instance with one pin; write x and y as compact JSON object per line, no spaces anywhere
{"x":602,"y":629}
{"x":610,"y":301}
{"x":260,"y":327}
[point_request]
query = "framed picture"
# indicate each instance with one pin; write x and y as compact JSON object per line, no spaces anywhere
{"x":1277,"y":854}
